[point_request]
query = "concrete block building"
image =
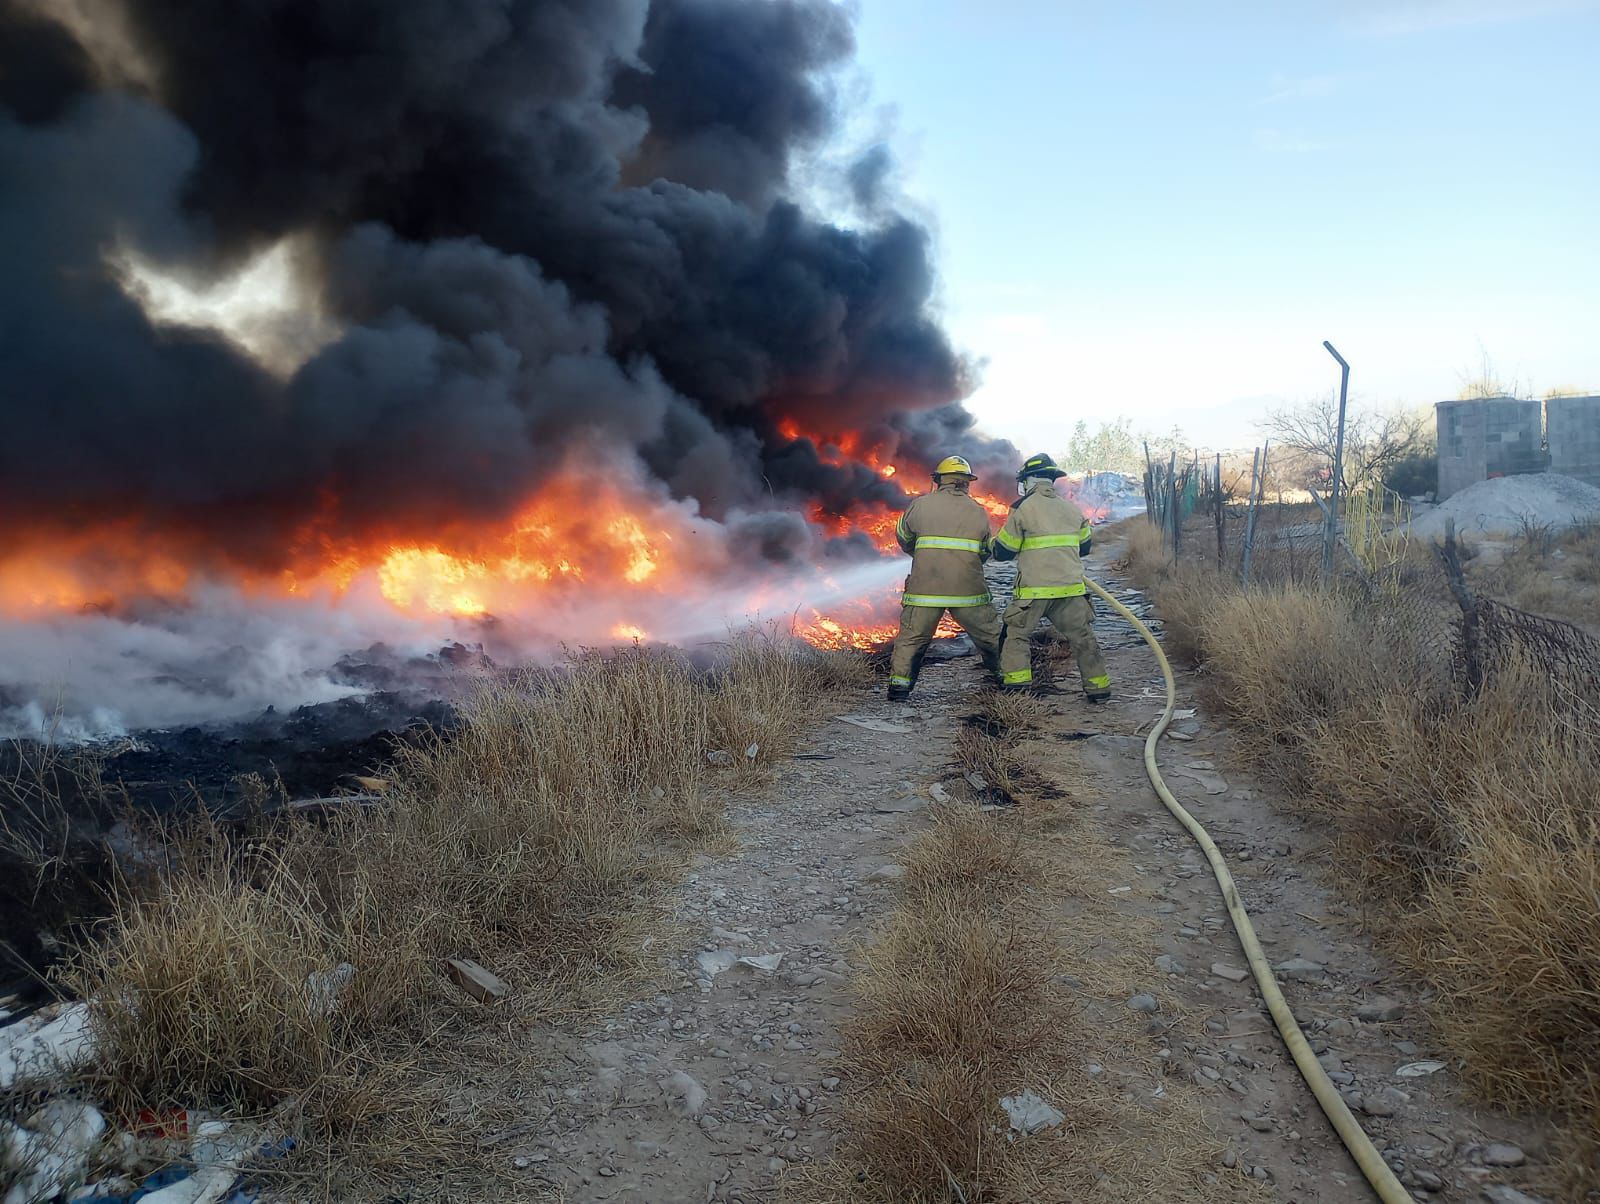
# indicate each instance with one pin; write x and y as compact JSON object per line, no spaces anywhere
{"x":1572,"y":429}
{"x":1487,"y":437}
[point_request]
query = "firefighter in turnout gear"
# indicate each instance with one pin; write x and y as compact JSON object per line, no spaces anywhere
{"x":946,"y":534}
{"x":1047,"y":534}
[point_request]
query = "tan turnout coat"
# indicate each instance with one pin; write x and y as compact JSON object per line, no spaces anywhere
{"x":946,"y":534}
{"x":1044,"y":530}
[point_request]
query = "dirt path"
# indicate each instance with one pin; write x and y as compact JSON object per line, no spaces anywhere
{"x":712,"y":1088}
{"x":715,"y":1088}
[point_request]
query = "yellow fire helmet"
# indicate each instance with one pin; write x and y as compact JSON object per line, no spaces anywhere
{"x":954,"y":466}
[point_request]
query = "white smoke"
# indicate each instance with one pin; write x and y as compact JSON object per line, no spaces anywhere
{"x":228,"y":655}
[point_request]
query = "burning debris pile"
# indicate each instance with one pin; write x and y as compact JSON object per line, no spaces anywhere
{"x":390,"y":319}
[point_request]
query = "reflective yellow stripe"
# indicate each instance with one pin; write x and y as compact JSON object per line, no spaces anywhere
{"x":1100,"y":683}
{"x":947,"y":600}
{"x":1011,"y":541}
{"x":1049,"y":541}
{"x":1084,"y":532}
{"x":1017,"y":675}
{"x":1053,"y":591}
{"x":900,"y":529}
{"x":948,"y":541}
{"x":899,"y":681}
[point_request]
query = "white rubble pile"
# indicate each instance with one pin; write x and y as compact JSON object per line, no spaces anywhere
{"x":1503,"y":505}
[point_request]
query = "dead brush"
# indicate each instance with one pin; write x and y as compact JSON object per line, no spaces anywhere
{"x":995,"y":760}
{"x":1185,"y":598}
{"x":964,"y":850}
{"x":1146,"y":558}
{"x":1010,"y":712}
{"x":1514,"y":937}
{"x":625,"y":731}
{"x":768,"y":685}
{"x":207,"y":991}
{"x":535,"y":838}
{"x":953,"y":1012}
{"x":1466,"y":819}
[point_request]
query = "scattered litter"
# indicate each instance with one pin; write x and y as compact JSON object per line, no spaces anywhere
{"x":1029,"y":1114}
{"x":50,"y":1153}
{"x":874,"y":724}
{"x":938,"y":793}
{"x":1417,"y":1070}
{"x":1117,"y":890}
{"x":685,"y":1095}
{"x":48,"y":1043}
{"x":475,"y":981}
{"x":895,"y":805}
{"x":712,"y":963}
{"x":750,"y":753}
{"x":767,"y":961}
{"x":1187,"y":713}
{"x":720,"y":757}
{"x":324,"y":988}
{"x":809,"y":756}
{"x":977,"y":781}
{"x":1299,"y":969}
{"x":218,"y":1150}
{"x":1211,"y":783}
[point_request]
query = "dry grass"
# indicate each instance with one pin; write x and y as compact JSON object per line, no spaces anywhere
{"x":1145,"y":558}
{"x":954,"y":1011}
{"x":973,"y":990}
{"x":1549,"y":572}
{"x":1468,"y":823}
{"x":963,"y":850}
{"x":535,"y":838}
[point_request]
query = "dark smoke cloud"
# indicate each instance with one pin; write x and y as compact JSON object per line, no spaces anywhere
{"x":546,"y":229}
{"x":869,"y":175}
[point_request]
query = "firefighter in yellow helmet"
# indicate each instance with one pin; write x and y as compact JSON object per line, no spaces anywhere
{"x":1047,"y":534}
{"x":946,"y":534}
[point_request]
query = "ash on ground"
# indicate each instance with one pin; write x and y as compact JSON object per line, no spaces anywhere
{"x":67,"y":811}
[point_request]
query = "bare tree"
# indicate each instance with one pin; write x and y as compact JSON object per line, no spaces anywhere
{"x":1375,"y":441}
{"x":1485,"y":380}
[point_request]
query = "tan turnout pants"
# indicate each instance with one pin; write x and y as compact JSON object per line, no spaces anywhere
{"x":1073,"y":618}
{"x":917,"y":625}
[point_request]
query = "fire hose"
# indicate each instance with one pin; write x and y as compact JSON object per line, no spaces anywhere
{"x":1361,"y":1149}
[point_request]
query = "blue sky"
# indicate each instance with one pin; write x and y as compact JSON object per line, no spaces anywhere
{"x":1160,"y":209}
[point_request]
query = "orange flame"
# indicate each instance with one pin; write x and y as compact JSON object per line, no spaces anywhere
{"x":569,"y":543}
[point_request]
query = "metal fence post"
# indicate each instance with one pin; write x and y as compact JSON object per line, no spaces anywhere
{"x":1256,"y":492}
{"x":1331,"y":522}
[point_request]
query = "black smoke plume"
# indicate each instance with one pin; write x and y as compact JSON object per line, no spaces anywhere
{"x":546,"y":231}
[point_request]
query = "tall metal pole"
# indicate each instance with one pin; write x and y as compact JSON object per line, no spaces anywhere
{"x":1330,"y":524}
{"x":1257,"y":490}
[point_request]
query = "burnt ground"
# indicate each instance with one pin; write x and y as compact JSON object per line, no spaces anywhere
{"x":76,"y":804}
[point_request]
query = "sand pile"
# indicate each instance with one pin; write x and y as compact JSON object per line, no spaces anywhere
{"x":1502,"y":505}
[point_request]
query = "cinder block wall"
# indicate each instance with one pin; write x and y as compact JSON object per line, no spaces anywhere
{"x":1573,"y":431}
{"x":1462,"y":454}
{"x":1494,"y":436}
